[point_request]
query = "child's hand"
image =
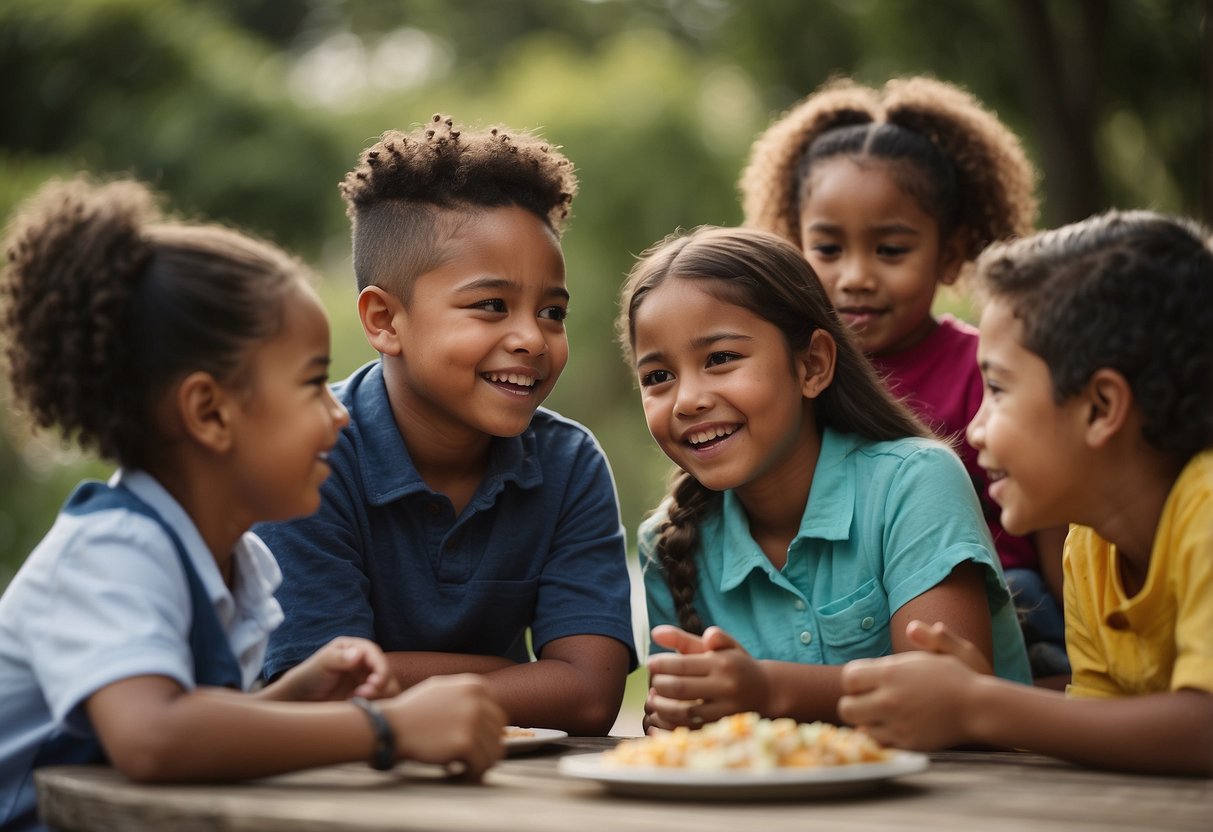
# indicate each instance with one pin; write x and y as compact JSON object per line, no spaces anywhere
{"x":448,"y":720}
{"x":345,"y":667}
{"x":909,"y":700}
{"x":937,"y":638}
{"x":710,"y":677}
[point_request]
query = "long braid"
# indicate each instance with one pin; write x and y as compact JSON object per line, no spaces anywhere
{"x":677,"y":539}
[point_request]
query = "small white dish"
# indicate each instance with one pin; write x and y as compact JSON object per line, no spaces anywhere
{"x":536,"y":738}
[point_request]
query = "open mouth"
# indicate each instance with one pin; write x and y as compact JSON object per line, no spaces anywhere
{"x":702,"y":439}
{"x":518,"y":383}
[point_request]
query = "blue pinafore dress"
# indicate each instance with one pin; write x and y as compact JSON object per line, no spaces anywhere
{"x":215,"y":665}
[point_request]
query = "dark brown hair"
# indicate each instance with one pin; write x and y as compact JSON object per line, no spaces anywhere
{"x":765,"y":274}
{"x":947,"y":151}
{"x":107,"y":303}
{"x":1130,"y":291}
{"x":410,"y":191}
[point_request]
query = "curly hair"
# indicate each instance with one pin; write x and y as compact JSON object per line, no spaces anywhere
{"x":763,"y":273}
{"x":107,"y":303}
{"x":963,"y":166}
{"x":1130,"y":291}
{"x":407,"y":191}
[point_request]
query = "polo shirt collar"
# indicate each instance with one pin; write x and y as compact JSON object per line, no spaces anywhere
{"x":831,"y":506}
{"x":827,"y":514}
{"x":388,"y":472}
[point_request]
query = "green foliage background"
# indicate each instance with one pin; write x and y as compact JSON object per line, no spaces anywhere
{"x":250,"y":111}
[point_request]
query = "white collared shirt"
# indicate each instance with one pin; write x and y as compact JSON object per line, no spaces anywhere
{"x":104,"y":597}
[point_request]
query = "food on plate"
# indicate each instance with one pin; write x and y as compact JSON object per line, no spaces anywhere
{"x":514,"y":732}
{"x":748,"y":741}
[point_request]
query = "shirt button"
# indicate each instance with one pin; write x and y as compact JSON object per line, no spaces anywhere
{"x":432,"y":508}
{"x":868,"y":623}
{"x":799,"y":604}
{"x":1118,"y":621}
{"x":806,"y":637}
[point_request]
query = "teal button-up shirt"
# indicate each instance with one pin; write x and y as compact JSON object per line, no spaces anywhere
{"x":885,"y":522}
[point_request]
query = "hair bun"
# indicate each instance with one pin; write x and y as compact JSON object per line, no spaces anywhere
{"x":77,"y":224}
{"x":75,"y":252}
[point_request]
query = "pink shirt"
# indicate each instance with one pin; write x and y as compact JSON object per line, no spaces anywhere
{"x":940,"y":380}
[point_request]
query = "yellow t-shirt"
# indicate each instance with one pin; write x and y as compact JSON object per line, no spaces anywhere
{"x":1161,"y":639}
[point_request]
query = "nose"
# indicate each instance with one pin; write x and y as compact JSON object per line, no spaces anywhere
{"x":854,"y":275}
{"x":526,"y":336}
{"x":975,"y":433}
{"x":340,"y":416}
{"x":693,"y":397}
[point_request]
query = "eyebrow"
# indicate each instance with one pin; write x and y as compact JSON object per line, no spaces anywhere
{"x":887,"y":228}
{"x":696,"y":344}
{"x":498,"y":284}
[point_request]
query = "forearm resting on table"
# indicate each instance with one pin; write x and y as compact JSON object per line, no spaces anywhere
{"x":159,"y":733}
{"x":804,"y":692}
{"x":413,"y":667}
{"x":1161,"y":733}
{"x":576,"y":685}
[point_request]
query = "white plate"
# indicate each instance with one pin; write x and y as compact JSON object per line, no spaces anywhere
{"x":740,"y":785}
{"x":539,"y":736}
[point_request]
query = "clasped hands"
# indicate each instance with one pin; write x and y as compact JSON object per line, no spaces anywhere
{"x":707,"y":678}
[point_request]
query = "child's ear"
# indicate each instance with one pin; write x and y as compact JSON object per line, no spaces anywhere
{"x":816,"y":364}
{"x":952,"y":257}
{"x":377,"y":310}
{"x":1108,"y":404}
{"x":206,"y":411}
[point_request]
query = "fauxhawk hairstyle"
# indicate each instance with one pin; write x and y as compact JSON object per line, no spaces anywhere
{"x":405,"y":194}
{"x":962,"y":164}
{"x":1130,"y":291}
{"x":764,"y":274}
{"x":106,"y":303}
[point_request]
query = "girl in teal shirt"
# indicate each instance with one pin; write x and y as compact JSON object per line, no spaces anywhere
{"x":814,"y":520}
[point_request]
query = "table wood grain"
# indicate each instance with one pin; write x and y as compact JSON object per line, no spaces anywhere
{"x":960,"y":790}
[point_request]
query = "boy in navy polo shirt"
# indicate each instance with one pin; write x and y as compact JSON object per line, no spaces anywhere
{"x":459,"y":513}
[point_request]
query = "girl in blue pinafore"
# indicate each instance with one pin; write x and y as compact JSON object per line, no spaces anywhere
{"x":196,"y":358}
{"x":814,"y":519}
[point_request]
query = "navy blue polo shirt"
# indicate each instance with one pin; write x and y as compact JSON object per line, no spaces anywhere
{"x":540,"y":545}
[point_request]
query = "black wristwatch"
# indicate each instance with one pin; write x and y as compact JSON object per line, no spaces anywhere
{"x":384,"y":755}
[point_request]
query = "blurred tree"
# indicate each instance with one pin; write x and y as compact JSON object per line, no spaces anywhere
{"x":173,"y":94}
{"x":1112,"y":98}
{"x":251,"y":110}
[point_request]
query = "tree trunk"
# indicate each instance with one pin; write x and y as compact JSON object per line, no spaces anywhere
{"x":1062,"y":96}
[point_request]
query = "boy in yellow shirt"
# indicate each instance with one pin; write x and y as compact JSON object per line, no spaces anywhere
{"x":1098,"y":411}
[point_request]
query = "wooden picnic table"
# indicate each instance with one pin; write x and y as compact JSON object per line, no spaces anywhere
{"x":960,"y":790}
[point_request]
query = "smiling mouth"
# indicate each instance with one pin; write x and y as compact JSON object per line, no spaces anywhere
{"x":713,"y":436}
{"x":510,"y":378}
{"x":514,"y":383}
{"x":861,"y":312}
